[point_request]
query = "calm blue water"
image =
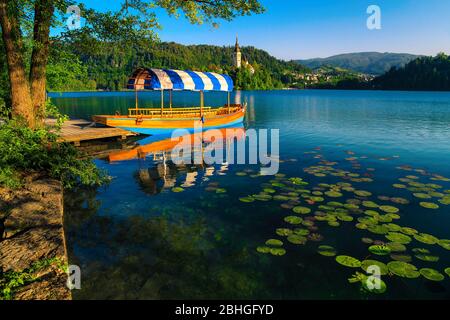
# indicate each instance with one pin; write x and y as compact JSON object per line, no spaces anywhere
{"x":137,"y":238}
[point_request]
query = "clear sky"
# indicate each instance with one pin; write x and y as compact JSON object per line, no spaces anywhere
{"x":299,"y":29}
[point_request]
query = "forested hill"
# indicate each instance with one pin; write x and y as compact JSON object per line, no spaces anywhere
{"x":111,"y":68}
{"x":425,"y":73}
{"x":375,"y":63}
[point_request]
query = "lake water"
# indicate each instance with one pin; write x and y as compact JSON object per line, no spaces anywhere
{"x":139,"y":239}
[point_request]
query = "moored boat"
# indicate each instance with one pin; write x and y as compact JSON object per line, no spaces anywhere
{"x":164,"y":120}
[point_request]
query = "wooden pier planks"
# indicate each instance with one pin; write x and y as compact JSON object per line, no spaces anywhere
{"x":79,"y":130}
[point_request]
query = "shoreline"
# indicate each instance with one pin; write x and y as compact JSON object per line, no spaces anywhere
{"x":32,"y":243}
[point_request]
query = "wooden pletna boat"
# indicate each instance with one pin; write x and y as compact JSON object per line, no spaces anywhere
{"x":163,"y":120}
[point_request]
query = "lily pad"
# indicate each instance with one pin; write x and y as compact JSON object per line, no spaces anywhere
{"x":401,"y":257}
{"x":327,"y":251}
{"x":389,"y":209}
{"x":398,"y":237}
{"x":333,"y":194}
{"x":348,"y":261}
{"x":447,"y":271}
{"x":263,"y":249}
{"x":380,"y":250}
{"x":247,"y":199}
{"x":277,"y":251}
{"x":301,"y":210}
{"x":422,"y":195}
{"x":274,"y":243}
{"x":427,"y":257}
{"x":297,"y":239}
{"x":363,"y":193}
{"x":403,"y":269}
{"x":367,"y":263}
{"x":409,"y":231}
{"x":177,"y":189}
{"x":444,"y":243}
{"x":429,"y":205}
{"x":283,"y":232}
{"x":399,"y":186}
{"x":431,"y":274}
{"x":426,"y":238}
{"x":369,"y":204}
{"x":396,"y":247}
{"x":293,"y":219}
{"x":377,"y":285}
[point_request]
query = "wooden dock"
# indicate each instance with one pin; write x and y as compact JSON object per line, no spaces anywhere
{"x":78,"y":130}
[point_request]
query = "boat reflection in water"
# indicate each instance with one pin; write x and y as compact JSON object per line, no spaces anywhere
{"x":163,"y":173}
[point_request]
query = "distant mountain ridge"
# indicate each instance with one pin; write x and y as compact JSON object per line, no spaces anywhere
{"x":375,"y":63}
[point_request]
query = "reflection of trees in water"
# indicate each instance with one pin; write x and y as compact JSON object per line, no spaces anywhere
{"x":163,"y":259}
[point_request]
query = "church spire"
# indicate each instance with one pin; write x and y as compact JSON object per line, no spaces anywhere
{"x":237,"y":49}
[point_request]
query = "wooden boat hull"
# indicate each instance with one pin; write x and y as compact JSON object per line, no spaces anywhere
{"x":157,"y":126}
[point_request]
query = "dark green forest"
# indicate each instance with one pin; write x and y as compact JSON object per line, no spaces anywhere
{"x":108,"y":68}
{"x":425,"y":73}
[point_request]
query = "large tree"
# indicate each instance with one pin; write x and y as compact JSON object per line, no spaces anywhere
{"x":134,"y":22}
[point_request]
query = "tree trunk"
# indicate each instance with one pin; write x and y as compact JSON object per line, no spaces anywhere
{"x":22,"y":105}
{"x":43,"y":12}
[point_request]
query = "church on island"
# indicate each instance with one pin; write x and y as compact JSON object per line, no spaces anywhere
{"x":239,"y":61}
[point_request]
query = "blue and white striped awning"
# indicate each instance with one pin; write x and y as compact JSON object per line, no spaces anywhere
{"x":164,"y":79}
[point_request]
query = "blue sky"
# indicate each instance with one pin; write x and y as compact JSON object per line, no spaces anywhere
{"x":299,"y":29}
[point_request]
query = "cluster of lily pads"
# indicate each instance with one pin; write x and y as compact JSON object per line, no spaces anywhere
{"x":311,"y":206}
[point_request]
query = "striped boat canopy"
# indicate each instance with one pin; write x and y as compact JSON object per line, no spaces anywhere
{"x":164,"y":79}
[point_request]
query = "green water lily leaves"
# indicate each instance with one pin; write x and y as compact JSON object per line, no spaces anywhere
{"x":367,"y":263}
{"x":398,"y":237}
{"x":283,"y":232}
{"x":444,"y":201}
{"x":426,"y":238}
{"x":444,"y":243}
{"x":280,"y":197}
{"x":277,"y":251}
{"x":421,"y":250}
{"x":348,"y":261}
{"x":399,"y":200}
{"x":409,"y":231}
{"x":401,"y":257}
{"x":429,"y":205}
{"x":380,"y":250}
{"x":431,"y":274}
{"x":301,"y":210}
{"x":369,"y":204}
{"x":333,"y":194}
{"x":447,"y":271}
{"x":362,"y":193}
{"x":335,"y":204}
{"x":403,"y":269}
{"x":396,"y":247}
{"x":246,"y":199}
{"x":263,"y":249}
{"x":221,"y":190}
{"x":333,"y":224}
{"x":327,"y":251}
{"x":293,"y":219}
{"x":378,"y":229}
{"x":422,"y":195}
{"x":177,"y":189}
{"x":301,"y":231}
{"x":374,"y":285}
{"x":389,"y":209}
{"x":399,"y":186}
{"x":393,"y":227}
{"x":269,"y":190}
{"x":427,"y":257}
{"x":297,"y":239}
{"x":372,"y":213}
{"x":274,"y":243}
